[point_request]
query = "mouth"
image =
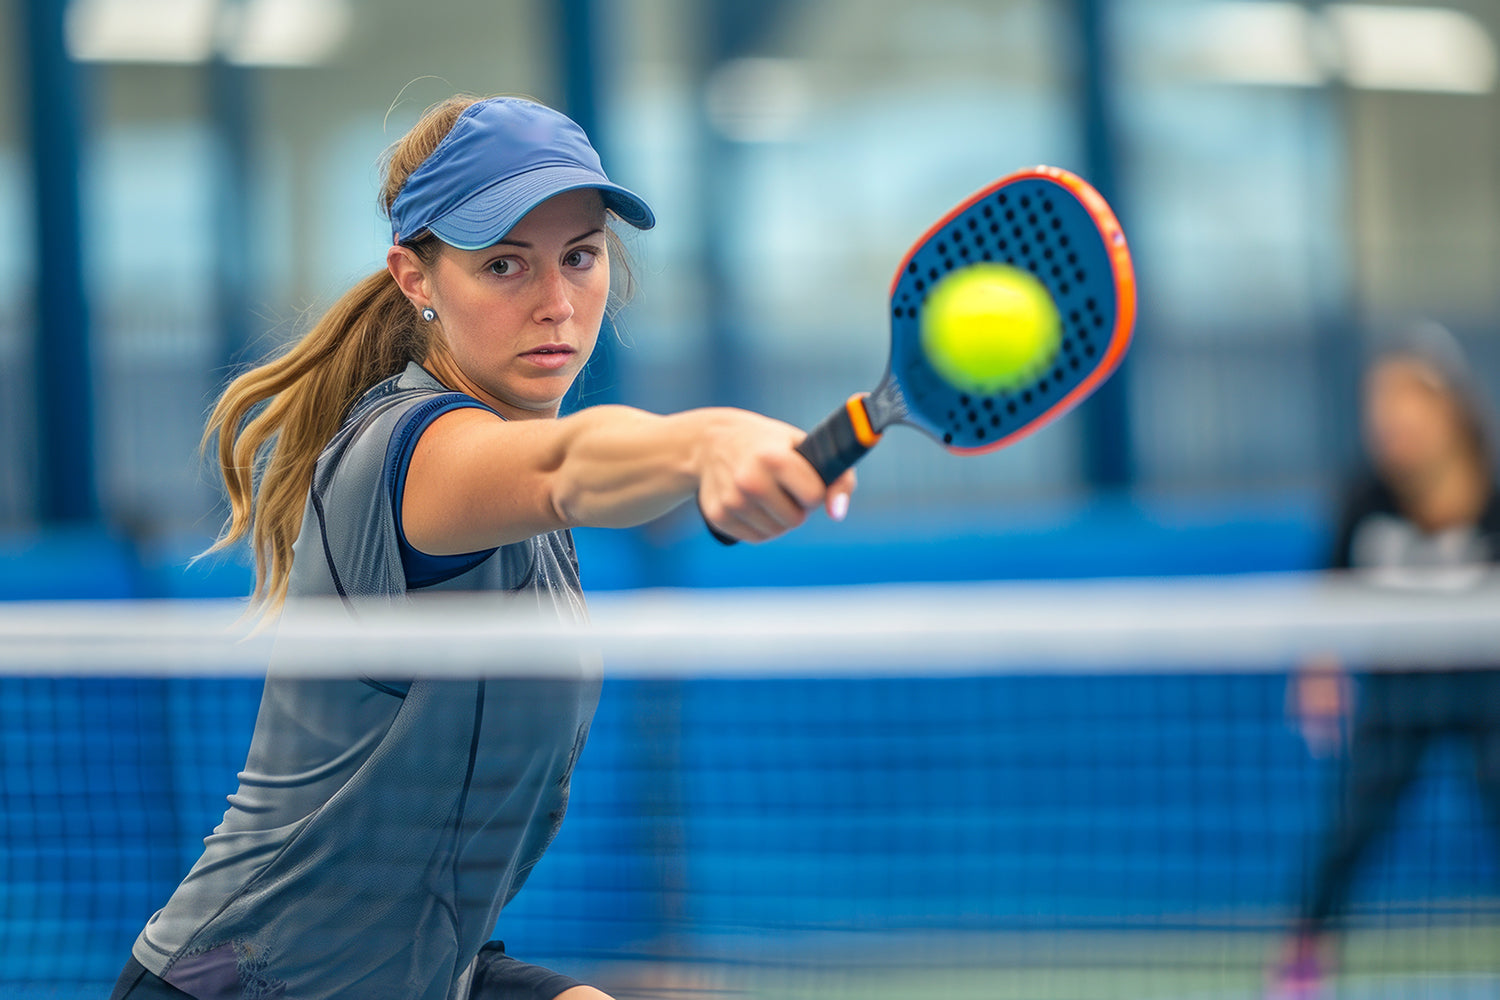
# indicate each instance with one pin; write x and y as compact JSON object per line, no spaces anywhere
{"x":550,"y":355}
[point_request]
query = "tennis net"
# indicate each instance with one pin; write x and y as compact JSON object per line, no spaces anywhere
{"x":1063,"y":790}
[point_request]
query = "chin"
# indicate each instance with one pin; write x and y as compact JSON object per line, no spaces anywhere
{"x":546,"y":400}
{"x":532,"y":393}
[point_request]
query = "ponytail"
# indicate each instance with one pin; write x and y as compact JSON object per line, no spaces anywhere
{"x":267,"y":458}
{"x":273,"y":422}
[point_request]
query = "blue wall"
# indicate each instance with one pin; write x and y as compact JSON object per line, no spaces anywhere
{"x":1068,"y":540}
{"x":1101,"y":537}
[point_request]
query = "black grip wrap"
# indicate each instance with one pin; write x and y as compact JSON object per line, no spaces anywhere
{"x":833,"y":447}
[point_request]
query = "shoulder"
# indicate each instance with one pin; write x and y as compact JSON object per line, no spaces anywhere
{"x":385,"y":408}
{"x":354,"y":473}
{"x":356,"y":477}
{"x":408,"y":388}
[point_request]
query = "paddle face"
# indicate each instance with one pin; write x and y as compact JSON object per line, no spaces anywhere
{"x":1047,"y":221}
{"x":1054,"y":225}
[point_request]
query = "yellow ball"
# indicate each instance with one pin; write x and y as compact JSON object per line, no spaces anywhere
{"x":990,"y":327}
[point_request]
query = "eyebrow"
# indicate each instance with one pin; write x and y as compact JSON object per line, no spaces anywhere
{"x":527,"y":246}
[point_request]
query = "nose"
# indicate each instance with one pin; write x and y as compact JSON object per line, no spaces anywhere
{"x":553,"y":305}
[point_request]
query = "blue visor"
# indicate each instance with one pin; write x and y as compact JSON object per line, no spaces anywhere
{"x":502,"y":158}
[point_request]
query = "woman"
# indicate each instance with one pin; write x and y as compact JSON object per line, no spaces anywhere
{"x":411,"y":440}
{"x":1428,"y":519}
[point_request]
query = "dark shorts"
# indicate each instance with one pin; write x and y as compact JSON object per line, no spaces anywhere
{"x":497,"y":976}
{"x":138,"y":983}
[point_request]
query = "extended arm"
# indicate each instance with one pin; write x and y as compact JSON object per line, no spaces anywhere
{"x":477,"y":481}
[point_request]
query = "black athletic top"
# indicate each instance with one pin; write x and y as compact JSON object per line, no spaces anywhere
{"x":1390,"y":551}
{"x":1375,"y":536}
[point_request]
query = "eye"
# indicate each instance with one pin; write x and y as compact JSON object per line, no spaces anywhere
{"x":504,"y":266}
{"x":582,"y":258}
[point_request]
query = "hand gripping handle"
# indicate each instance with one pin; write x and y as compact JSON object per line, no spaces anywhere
{"x":833,"y":446}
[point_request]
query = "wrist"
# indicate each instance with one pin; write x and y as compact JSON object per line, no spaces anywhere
{"x":705,"y":430}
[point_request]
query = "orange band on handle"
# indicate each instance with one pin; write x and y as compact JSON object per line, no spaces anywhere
{"x":860,"y":419}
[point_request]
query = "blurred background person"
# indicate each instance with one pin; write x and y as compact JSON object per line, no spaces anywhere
{"x":1424,"y":517}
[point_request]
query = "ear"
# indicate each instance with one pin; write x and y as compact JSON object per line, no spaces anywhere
{"x":410,"y":275}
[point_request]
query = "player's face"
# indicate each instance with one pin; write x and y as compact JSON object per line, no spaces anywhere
{"x":520,"y":318}
{"x":1412,"y":422}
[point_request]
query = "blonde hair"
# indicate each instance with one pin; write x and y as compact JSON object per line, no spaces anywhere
{"x":273,"y":421}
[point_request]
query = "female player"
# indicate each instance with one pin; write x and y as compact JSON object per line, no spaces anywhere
{"x":1427,"y":520}
{"x":411,"y":440}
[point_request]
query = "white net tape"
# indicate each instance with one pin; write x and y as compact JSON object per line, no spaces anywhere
{"x":1252,"y":623}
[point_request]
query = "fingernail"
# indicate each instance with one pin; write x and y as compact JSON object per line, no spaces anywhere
{"x":839,"y":509}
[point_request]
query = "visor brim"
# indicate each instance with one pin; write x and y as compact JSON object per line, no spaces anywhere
{"x":485,"y":217}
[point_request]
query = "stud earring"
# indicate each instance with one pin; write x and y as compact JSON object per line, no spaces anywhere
{"x":428,"y":314}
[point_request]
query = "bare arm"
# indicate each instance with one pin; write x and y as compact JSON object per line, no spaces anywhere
{"x":583,"y":993}
{"x":1318,"y":699}
{"x":477,"y":481}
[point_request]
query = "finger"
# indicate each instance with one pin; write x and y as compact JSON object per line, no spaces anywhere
{"x":743,"y":517}
{"x":768,"y":493}
{"x":749,"y":527}
{"x":799,"y":479}
{"x":774,"y":515}
{"x":753,"y":510}
{"x":782,"y":509}
{"x":837,"y":501}
{"x":735,"y":528}
{"x":719,"y":518}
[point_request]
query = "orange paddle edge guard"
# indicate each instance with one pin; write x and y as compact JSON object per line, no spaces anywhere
{"x":859,"y":418}
{"x":1124,"y":276}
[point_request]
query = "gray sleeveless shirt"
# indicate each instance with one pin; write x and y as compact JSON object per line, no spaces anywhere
{"x":381,"y":824}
